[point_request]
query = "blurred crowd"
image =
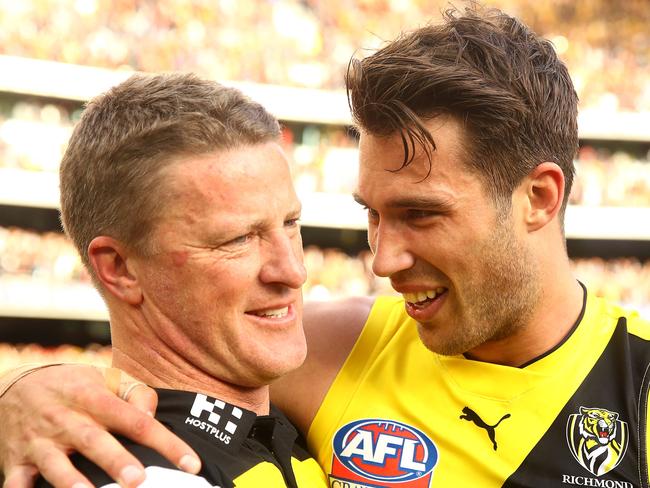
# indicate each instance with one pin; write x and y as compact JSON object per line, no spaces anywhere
{"x":296,"y":43}
{"x":309,"y":42}
{"x":610,"y":178}
{"x":323,"y":158}
{"x":331,"y":272}
{"x":46,"y":264}
{"x":12,"y":355}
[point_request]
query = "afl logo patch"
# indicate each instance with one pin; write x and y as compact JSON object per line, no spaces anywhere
{"x":382,"y":453}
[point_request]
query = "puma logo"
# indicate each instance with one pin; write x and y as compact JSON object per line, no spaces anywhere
{"x":471,"y":416}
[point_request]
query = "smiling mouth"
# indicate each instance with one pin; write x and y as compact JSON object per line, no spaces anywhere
{"x":423,"y":298}
{"x":275,"y":313}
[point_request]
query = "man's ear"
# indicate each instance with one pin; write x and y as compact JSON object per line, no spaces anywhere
{"x":544,"y":190}
{"x":110,"y":261}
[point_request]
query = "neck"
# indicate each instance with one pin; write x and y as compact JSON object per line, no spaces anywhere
{"x":152,"y":361}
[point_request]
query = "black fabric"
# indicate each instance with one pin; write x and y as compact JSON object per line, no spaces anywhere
{"x":225,"y":454}
{"x":617,"y":382}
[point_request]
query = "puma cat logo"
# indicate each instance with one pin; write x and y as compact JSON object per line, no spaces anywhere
{"x":471,"y":416}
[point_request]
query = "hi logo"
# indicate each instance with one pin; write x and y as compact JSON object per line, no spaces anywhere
{"x":220,"y":424}
{"x":597,"y":439}
{"x":471,"y":416}
{"x":382,"y":453}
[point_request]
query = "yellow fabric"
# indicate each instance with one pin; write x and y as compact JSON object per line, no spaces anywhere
{"x":390,"y":375}
{"x":308,"y":475}
{"x":262,"y":474}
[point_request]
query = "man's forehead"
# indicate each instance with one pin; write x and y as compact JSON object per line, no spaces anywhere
{"x":385,"y":161}
{"x":244,"y":177}
{"x":391,"y":152}
{"x":246,"y":162}
{"x":445,"y":130}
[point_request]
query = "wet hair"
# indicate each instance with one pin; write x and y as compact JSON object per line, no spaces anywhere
{"x":503,"y":83}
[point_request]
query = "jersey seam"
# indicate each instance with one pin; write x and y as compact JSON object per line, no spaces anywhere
{"x":642,"y":429}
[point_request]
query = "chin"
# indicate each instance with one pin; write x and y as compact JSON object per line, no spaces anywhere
{"x":444,"y":346}
{"x":275,"y":367}
{"x":294,"y":360}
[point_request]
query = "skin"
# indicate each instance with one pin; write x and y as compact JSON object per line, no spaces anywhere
{"x":227,"y":251}
{"x":509,"y":295}
{"x":442,"y":232}
{"x":52,"y":430}
{"x":451,"y":237}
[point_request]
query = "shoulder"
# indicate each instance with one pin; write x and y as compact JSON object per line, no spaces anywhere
{"x":331,"y":329}
{"x":342,"y":320}
{"x":159,"y":477}
{"x":160,"y":473}
{"x":637,"y":325}
{"x":148,"y":457}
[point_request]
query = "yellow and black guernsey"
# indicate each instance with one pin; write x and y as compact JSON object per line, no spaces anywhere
{"x":237,"y":448}
{"x":400,"y":416}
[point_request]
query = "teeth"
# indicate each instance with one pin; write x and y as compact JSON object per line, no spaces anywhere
{"x":276,"y":313}
{"x":421,"y":296}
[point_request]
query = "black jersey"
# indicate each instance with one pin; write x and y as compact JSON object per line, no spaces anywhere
{"x":237,"y":448}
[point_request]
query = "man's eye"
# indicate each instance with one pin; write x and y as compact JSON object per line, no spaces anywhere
{"x":415,"y":214}
{"x":373,"y":215}
{"x":292,"y":222}
{"x":243,"y":239}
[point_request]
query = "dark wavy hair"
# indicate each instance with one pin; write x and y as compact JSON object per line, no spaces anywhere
{"x":504,"y":84}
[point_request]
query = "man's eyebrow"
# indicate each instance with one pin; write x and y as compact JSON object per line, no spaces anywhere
{"x":238,"y":226}
{"x":359,"y":200}
{"x":421,"y":202}
{"x":296,"y":211}
{"x":436,"y":203}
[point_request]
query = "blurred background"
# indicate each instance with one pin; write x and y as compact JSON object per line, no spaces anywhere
{"x":291,"y":56}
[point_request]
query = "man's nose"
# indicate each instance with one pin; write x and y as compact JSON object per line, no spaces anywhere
{"x":284,"y":261}
{"x":390,"y":251}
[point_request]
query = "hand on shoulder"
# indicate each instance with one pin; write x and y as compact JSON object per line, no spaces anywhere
{"x":63,"y":408}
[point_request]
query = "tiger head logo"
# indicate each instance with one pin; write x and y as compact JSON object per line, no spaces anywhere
{"x":597,"y":439}
{"x":598,"y":424}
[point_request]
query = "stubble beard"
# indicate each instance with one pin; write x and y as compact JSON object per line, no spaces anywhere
{"x":498,"y":301}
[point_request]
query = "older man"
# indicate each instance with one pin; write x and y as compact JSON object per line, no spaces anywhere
{"x":178,"y":196}
{"x":496,"y":367}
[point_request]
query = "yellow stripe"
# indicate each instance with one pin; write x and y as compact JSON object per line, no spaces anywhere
{"x":263,"y":474}
{"x":308,"y":475}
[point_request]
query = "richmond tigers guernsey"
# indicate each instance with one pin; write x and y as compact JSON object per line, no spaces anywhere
{"x":237,"y":448}
{"x":400,"y":416}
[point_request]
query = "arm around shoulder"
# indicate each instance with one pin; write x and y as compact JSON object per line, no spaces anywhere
{"x":64,"y":408}
{"x":332,"y":329}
